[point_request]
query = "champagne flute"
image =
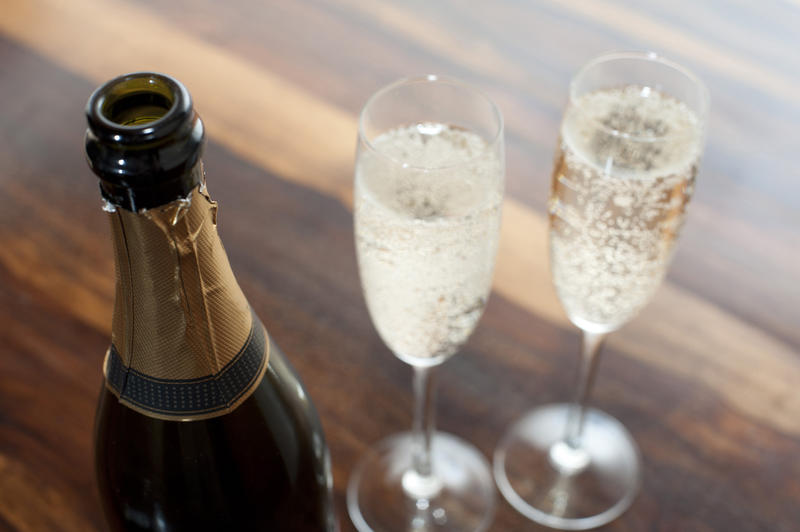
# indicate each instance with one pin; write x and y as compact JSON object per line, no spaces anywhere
{"x":429,"y":181}
{"x":629,"y":149}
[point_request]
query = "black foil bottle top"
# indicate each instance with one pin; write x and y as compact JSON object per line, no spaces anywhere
{"x":144,"y":140}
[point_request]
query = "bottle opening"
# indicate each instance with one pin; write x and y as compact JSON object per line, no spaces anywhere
{"x":144,"y":140}
{"x":138,"y":108}
{"x":138,"y":100}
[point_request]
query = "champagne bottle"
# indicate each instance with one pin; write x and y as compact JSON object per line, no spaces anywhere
{"x":202,"y":424}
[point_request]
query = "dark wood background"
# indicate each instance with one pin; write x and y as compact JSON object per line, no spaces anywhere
{"x":707,"y":378}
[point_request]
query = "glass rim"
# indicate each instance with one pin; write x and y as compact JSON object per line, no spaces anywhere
{"x":648,"y":57}
{"x":491,"y":144}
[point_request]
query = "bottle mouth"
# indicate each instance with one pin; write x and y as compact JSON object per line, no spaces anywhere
{"x":144,"y":140}
{"x":139,"y":107}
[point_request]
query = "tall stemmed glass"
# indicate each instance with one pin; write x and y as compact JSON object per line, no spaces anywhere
{"x":428,"y":191}
{"x":630,"y":143}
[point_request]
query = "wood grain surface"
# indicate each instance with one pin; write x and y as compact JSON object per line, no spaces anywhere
{"x":707,"y":378}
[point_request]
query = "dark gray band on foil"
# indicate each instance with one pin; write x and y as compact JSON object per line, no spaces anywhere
{"x":190,"y":397}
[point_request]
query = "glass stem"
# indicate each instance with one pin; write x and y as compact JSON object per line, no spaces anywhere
{"x":590,"y":349}
{"x":424,"y":418}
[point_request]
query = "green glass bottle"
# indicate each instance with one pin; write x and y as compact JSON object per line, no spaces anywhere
{"x":202,"y":424}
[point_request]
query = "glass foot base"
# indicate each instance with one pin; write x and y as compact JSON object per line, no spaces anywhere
{"x":385,"y":494}
{"x":564,"y":487}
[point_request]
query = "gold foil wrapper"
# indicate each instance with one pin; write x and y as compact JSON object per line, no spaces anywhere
{"x":180,"y":317}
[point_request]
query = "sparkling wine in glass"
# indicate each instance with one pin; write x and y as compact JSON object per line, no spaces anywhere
{"x":428,"y":192}
{"x":630,"y":144}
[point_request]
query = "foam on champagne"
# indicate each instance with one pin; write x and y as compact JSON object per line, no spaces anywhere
{"x":624,"y":173}
{"x":426,"y":239}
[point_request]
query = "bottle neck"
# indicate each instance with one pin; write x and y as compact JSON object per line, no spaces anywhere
{"x":179,"y":315}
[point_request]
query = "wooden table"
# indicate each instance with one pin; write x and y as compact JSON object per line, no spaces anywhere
{"x":707,"y":378}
